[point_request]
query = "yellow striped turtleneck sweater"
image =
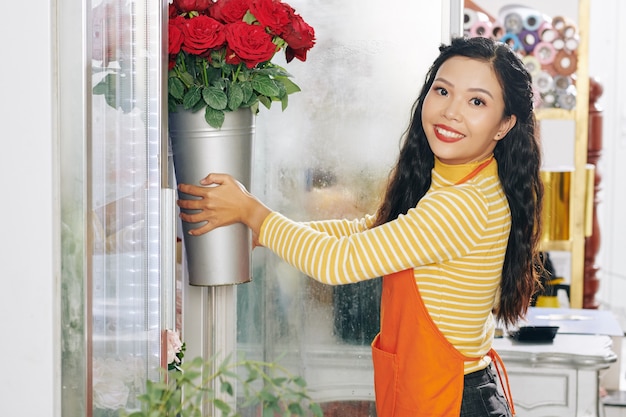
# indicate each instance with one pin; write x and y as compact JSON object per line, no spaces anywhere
{"x":454,"y":239}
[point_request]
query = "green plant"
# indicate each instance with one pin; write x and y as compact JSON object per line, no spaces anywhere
{"x":242,"y":385}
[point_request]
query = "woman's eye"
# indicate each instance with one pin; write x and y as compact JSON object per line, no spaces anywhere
{"x":477,"y":102}
{"x":442,"y":91}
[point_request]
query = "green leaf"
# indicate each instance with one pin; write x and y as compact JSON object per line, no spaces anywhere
{"x":221,"y":405}
{"x":187,"y":78}
{"x":316,"y":409}
{"x":266,"y":101}
{"x":290,"y":86}
{"x":248,"y":91}
{"x":215,"y":98}
{"x":295,"y":408}
{"x":192,"y":97}
{"x":299,"y":381}
{"x":284,"y":102}
{"x":265,"y":86}
{"x":235,"y":96}
{"x":176,"y":87}
{"x":227,"y":387}
{"x":214,"y":117}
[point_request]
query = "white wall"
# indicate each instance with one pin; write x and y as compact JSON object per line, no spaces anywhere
{"x":27,"y":268}
{"x":608,"y":56}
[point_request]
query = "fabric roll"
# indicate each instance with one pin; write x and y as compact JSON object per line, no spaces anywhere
{"x":481,"y":29}
{"x":469,"y":18}
{"x":513,"y":23}
{"x":567,"y":99}
{"x":571,"y":44}
{"x":532,"y":64}
{"x":548,"y":99}
{"x":544,"y":52}
{"x":533,"y":21}
{"x":513,"y":41}
{"x":529,"y":39}
{"x":562,"y":82}
{"x":558,"y":44}
{"x":544,"y":82}
{"x":565,"y":63}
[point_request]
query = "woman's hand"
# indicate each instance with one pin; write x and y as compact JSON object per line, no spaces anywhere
{"x":220,"y":201}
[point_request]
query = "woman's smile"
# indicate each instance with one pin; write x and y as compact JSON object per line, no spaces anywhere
{"x":447,"y":134}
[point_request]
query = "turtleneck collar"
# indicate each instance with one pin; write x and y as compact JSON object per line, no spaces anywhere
{"x":452,"y":174}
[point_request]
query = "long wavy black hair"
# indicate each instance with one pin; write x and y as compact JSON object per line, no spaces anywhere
{"x":519,"y":161}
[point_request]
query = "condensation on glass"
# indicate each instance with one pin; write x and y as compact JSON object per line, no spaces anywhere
{"x":111,"y":198}
{"x":326,"y":156}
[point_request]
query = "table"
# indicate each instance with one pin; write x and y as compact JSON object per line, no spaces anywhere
{"x":561,"y":378}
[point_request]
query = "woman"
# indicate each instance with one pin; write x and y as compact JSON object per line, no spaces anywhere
{"x":456,"y":236}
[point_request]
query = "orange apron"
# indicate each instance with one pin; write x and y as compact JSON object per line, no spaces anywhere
{"x":417,"y":371}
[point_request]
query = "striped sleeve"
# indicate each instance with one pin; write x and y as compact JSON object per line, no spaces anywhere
{"x":446,"y":224}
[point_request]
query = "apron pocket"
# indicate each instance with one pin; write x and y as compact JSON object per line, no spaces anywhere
{"x":385,"y":379}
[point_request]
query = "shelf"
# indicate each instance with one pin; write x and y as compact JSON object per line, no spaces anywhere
{"x":555,"y":114}
{"x":557,"y":245}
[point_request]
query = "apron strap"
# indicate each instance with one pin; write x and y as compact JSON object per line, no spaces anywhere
{"x":495,"y":358}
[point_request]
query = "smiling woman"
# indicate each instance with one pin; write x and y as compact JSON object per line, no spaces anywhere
{"x":455,"y":237}
{"x":463,"y":115}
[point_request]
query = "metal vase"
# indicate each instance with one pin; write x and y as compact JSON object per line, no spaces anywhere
{"x":222,"y":256}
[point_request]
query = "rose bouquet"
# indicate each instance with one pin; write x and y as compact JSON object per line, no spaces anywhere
{"x":220,"y":54}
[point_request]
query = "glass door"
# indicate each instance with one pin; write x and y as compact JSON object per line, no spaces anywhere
{"x":116,"y":286}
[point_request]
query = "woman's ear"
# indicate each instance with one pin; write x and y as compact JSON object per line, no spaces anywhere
{"x":505,"y":125}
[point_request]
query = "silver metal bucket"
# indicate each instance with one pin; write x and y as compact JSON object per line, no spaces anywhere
{"x":222,"y":256}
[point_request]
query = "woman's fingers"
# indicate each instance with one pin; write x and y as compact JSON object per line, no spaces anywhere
{"x":216,"y":202}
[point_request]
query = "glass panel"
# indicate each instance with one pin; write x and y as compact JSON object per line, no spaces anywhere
{"x":125,"y":201}
{"x":328,"y":156}
{"x":111,"y":188}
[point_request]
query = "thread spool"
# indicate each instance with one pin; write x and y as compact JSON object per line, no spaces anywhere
{"x":555,"y":213}
{"x":565,"y":63}
{"x":513,"y":23}
{"x":545,"y":53}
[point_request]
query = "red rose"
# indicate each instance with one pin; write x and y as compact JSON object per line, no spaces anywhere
{"x":248,"y":43}
{"x":172,"y":11}
{"x":300,"y":37}
{"x":202,"y":33}
{"x":229,"y":11}
{"x":175,"y":35}
{"x":272,"y":14}
{"x":187,"y":6}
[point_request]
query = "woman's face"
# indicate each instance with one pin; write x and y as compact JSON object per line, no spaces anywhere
{"x":463,"y":112}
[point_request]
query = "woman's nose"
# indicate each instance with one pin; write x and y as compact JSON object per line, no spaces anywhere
{"x":452,"y":110}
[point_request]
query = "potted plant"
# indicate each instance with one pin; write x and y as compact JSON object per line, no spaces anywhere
{"x":262,"y":387}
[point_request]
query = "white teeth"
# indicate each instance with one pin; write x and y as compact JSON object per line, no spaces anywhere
{"x":448,"y":134}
